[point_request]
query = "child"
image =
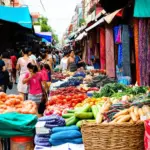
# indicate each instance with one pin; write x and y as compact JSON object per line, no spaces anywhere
{"x":34,"y":79}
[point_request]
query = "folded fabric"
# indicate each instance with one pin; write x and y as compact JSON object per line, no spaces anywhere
{"x":71,"y":134}
{"x":15,"y":124}
{"x":59,"y":142}
{"x":41,"y":138}
{"x":41,"y":141}
{"x":53,"y":121}
{"x":59,"y":129}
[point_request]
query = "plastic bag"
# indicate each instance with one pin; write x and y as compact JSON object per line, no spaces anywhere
{"x":147,"y":135}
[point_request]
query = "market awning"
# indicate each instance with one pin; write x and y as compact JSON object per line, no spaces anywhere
{"x":45,"y":35}
{"x":81,"y":36}
{"x":108,"y":18}
{"x":19,"y":15}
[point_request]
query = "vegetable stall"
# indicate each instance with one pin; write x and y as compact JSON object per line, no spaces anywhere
{"x":99,"y":113}
{"x":84,"y":111}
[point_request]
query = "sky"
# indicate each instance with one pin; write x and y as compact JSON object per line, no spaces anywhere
{"x":58,"y":12}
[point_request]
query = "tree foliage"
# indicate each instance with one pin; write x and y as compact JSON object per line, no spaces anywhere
{"x":47,"y":28}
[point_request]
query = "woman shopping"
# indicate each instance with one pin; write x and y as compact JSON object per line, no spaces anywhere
{"x":22,"y":67}
{"x":72,"y":67}
{"x":34,"y":80}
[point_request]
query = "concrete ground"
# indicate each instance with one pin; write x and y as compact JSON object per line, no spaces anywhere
{"x":13,"y":91}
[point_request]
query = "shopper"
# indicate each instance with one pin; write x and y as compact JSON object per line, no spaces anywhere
{"x":4,"y":79}
{"x":34,"y":80}
{"x":2,"y":63}
{"x":64,"y":61}
{"x":13,"y":63}
{"x":22,"y":67}
{"x":71,"y":62}
{"x":79,"y":62}
{"x":95,"y":62}
{"x":32,"y":56}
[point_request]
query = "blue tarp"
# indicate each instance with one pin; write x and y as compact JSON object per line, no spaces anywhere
{"x":45,"y":36}
{"x":19,"y":15}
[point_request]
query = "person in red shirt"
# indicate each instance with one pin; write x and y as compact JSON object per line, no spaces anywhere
{"x":13,"y":62}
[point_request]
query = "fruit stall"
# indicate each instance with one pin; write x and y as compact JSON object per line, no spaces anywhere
{"x":84,"y":111}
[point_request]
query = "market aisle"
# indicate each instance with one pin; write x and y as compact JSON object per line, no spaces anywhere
{"x":13,"y":91}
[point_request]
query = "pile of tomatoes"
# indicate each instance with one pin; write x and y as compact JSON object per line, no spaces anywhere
{"x":58,"y":104}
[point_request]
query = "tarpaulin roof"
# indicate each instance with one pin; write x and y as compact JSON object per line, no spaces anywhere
{"x":45,"y":35}
{"x":19,"y":15}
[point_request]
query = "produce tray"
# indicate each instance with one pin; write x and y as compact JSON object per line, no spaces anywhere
{"x":106,"y":136}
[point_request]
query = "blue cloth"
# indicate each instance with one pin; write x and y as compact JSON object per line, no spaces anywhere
{"x":116,"y":32}
{"x":19,"y":15}
{"x":120,"y":57}
{"x":77,"y":59}
{"x":96,"y":65}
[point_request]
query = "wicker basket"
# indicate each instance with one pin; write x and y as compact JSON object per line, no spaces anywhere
{"x":113,"y":136}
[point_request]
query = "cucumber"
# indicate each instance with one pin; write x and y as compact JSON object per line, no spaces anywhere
{"x":71,"y":121}
{"x":84,"y":115}
{"x":68,"y":115}
{"x":85,"y":108}
{"x":71,"y":111}
{"x":79,"y":123}
{"x":94,"y":110}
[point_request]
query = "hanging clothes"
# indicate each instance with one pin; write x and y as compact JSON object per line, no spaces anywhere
{"x":126,"y":51}
{"x":102,"y":49}
{"x":120,"y":57}
{"x":84,"y":51}
{"x":148,"y":54}
{"x":136,"y":40}
{"x":117,"y":34}
{"x":142,"y":50}
{"x":109,"y":44}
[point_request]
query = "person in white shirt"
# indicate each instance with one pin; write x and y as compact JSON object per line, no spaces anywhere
{"x":64,"y":61}
{"x":32,"y":56}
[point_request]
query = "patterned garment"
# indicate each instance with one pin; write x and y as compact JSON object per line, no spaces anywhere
{"x":109,"y":44}
{"x":102,"y":49}
{"x":126,"y":51}
{"x":136,"y":40}
{"x":142,"y":50}
{"x":36,"y":98}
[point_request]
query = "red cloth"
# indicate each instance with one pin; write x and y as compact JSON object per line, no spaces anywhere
{"x":14,"y":61}
{"x":102,"y":49}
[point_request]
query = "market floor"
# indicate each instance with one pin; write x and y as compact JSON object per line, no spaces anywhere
{"x":13,"y":91}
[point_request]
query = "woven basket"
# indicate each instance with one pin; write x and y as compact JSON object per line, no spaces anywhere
{"x":113,"y":136}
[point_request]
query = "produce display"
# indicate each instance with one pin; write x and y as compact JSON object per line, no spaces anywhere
{"x":58,"y":76}
{"x":100,"y":81}
{"x":74,"y":81}
{"x":60,"y":103}
{"x":15,"y":103}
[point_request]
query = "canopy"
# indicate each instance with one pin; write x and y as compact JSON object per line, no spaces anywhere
{"x":45,"y":35}
{"x":19,"y":15}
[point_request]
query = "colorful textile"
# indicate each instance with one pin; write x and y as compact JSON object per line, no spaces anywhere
{"x":109,"y":44}
{"x":120,"y":57}
{"x":142,"y":50}
{"x":142,"y":8}
{"x":126,"y":51}
{"x":136,"y":40}
{"x":102,"y":49}
{"x":117,"y":34}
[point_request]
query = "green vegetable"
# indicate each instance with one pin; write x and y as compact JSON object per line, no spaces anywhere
{"x":68,"y":115}
{"x":95,"y":111}
{"x":70,"y":111}
{"x":84,"y":115}
{"x":71,"y":121}
{"x":79,"y":123}
{"x":85,"y":108}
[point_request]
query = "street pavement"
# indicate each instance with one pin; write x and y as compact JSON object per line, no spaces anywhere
{"x":13,"y":91}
